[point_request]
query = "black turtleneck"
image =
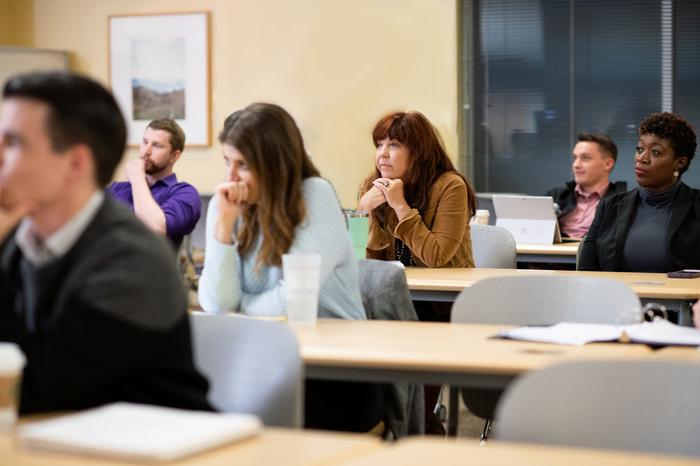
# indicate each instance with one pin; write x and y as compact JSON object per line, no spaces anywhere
{"x":645,"y":246}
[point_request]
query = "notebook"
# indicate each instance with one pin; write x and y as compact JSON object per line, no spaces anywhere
{"x":659,"y":332}
{"x":140,"y":433}
{"x":530,"y":219}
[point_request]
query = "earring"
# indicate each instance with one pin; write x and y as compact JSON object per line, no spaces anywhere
{"x":675,"y":174}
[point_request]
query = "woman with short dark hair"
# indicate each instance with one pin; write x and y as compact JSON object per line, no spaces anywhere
{"x":655,"y":227}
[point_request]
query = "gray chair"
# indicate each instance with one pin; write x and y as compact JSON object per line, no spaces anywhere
{"x":198,"y":235}
{"x":493,"y":247}
{"x":385,"y":296}
{"x":649,"y":406}
{"x":253,"y":366}
{"x":538,"y":300}
{"x":385,"y":293}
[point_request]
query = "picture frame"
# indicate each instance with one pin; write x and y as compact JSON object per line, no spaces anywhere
{"x":159,"y":67}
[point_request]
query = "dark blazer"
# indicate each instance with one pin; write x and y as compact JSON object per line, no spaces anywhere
{"x":603,"y":246}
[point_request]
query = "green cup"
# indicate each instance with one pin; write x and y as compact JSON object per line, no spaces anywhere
{"x":358,"y":226}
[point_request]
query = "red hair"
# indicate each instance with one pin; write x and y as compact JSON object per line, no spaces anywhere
{"x":428,"y":159}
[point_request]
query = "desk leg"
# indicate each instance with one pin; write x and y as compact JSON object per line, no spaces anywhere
{"x":453,"y":415}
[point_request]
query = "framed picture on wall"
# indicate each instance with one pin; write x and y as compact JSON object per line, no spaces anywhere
{"x":159,"y":68}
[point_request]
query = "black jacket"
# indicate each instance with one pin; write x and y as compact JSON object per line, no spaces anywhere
{"x":106,"y":322}
{"x":565,"y":197}
{"x":603,"y":246}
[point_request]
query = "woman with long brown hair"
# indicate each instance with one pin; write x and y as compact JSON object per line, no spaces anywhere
{"x":273,"y":202}
{"x":419,"y":204}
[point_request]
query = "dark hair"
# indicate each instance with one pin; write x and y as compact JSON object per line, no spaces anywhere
{"x":81,"y":111}
{"x":675,"y":129}
{"x":271,"y":143}
{"x":427,"y":160}
{"x":177,"y":135}
{"x":603,"y":140}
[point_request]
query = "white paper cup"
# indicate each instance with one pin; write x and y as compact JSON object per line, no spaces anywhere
{"x":301,"y":282}
{"x":482,"y":217}
{"x":12,"y":362}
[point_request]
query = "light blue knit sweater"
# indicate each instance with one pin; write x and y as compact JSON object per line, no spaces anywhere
{"x":230,"y":283}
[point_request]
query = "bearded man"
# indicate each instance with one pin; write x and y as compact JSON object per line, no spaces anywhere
{"x":164,"y":204}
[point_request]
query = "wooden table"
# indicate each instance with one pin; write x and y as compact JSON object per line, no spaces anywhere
{"x":416,"y":451}
{"x":445,"y":284}
{"x":459,"y":355}
{"x":464,"y":355}
{"x":558,"y":253}
{"x":678,"y":353}
{"x":273,"y":447}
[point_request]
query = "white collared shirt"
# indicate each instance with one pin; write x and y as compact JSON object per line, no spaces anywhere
{"x":39,"y":252}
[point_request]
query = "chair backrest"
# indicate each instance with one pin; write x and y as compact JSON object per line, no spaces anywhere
{"x":198,"y":235}
{"x":543,"y":299}
{"x":629,"y":405}
{"x":385,"y":293}
{"x":493,"y":247}
{"x":253,"y":366}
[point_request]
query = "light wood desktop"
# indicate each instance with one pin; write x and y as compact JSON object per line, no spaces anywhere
{"x":678,"y":353}
{"x":561,"y":253}
{"x":432,"y":352}
{"x":449,"y":282}
{"x":422,"y":451}
{"x":274,"y":446}
{"x":459,"y":355}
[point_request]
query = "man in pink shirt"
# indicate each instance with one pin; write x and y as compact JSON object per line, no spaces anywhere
{"x":593,"y":159}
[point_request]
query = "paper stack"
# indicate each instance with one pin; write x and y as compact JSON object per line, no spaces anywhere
{"x":659,"y":332}
{"x":138,"y":432}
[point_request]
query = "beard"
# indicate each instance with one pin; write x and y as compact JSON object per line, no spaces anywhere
{"x":151,"y":168}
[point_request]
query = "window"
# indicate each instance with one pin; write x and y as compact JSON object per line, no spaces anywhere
{"x":538,"y":72}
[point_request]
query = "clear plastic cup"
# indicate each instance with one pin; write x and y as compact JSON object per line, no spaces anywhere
{"x":301,"y":281}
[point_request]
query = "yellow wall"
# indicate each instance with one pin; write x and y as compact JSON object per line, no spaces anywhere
{"x":16,"y":22}
{"x":336,"y":65}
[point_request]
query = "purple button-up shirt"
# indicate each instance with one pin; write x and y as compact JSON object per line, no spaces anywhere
{"x":179,"y":201}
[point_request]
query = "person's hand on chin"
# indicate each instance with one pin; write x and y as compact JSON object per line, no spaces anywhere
{"x":371,"y":199}
{"x":393,"y":193}
{"x":233,"y":200}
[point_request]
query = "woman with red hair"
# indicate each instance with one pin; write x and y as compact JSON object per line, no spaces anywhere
{"x":419,"y":204}
{"x":419,"y":208}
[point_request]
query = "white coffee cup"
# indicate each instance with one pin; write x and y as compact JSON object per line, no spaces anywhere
{"x":12,"y":362}
{"x":482,"y":217}
{"x":302,"y":277}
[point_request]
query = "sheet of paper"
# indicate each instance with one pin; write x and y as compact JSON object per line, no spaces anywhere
{"x":138,"y":432}
{"x":659,"y":332}
{"x":566,"y":333}
{"x":663,"y":332}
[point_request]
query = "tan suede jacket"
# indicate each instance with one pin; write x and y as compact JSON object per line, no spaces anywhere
{"x":438,"y":238}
